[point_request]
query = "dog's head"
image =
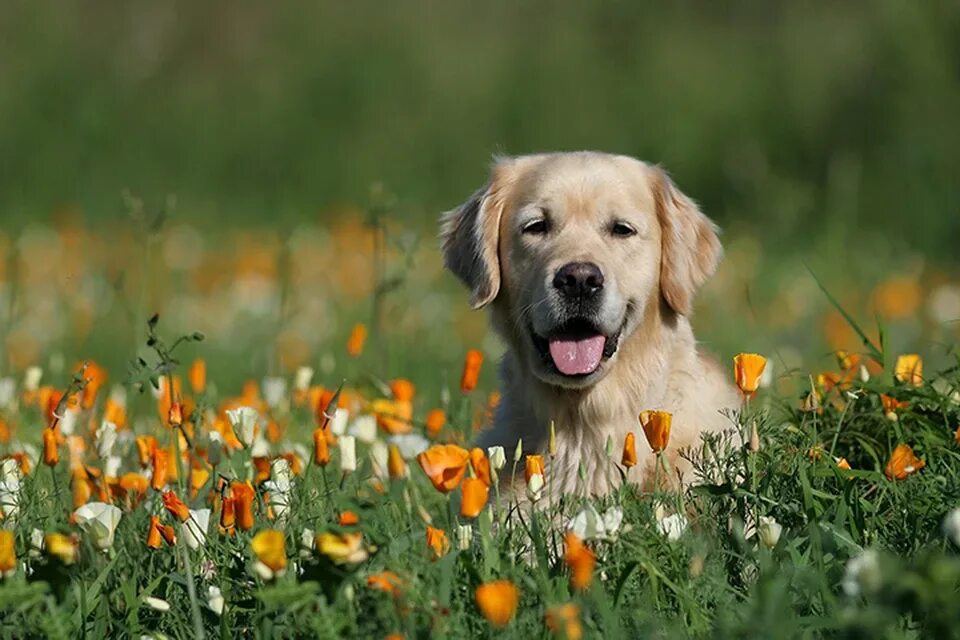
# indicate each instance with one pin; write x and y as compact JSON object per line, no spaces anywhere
{"x":574,"y":250}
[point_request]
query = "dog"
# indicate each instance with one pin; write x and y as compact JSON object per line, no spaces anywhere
{"x":590,"y":263}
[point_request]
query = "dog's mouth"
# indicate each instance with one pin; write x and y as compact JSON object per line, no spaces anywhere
{"x":577,"y":348}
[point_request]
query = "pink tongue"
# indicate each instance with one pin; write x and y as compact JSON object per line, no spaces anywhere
{"x":577,"y":357}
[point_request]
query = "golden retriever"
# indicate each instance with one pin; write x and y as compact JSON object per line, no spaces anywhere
{"x":590,"y":262}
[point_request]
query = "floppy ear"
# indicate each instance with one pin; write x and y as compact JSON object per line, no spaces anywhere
{"x":690,"y":248}
{"x":470,"y":239}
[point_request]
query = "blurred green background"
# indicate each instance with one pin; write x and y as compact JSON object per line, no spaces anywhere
{"x":820,"y":133}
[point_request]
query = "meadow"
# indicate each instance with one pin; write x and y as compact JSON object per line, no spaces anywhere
{"x":238,"y":391}
{"x":284,"y":451}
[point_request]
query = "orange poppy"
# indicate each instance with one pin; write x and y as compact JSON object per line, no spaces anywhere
{"x":903,"y":463}
{"x":154,"y":538}
{"x":198,"y":376}
{"x":656,"y":427}
{"x":321,"y":449}
{"x":481,"y":465}
{"x":474,"y":498}
{"x":498,"y":601}
{"x":175,"y":506}
{"x":8,"y":557}
{"x":437,"y":541}
{"x":533,"y":466}
{"x":891,"y":405}
{"x":445,"y":465}
{"x":161,"y":469}
{"x":402,"y":389}
{"x":243,"y":496}
{"x":564,"y":621}
{"x":228,"y":515}
{"x":629,"y":457}
{"x":471,"y":371}
{"x":393,"y":416}
{"x":580,"y":559}
{"x":747,"y":370}
{"x":355,"y":342}
{"x":436,"y":419}
{"x":386,"y":581}
{"x":396,"y":466}
{"x":51,"y":454}
{"x":348,"y":518}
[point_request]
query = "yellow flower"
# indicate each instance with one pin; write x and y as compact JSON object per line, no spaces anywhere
{"x":269,"y":546}
{"x":747,"y":369}
{"x":62,"y":547}
{"x":909,"y":369}
{"x":656,"y":426}
{"x":498,"y":601}
{"x":342,"y":548}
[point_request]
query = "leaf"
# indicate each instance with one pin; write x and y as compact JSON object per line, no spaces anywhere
{"x":622,"y":580}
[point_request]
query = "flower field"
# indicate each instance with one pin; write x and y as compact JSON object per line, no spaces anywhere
{"x":325,"y":499}
{"x":266,"y":458}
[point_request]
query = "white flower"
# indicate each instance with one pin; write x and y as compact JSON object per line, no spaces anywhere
{"x":111,"y":466}
{"x":348,"y":453}
{"x":100,"y":521}
{"x":338,"y":424}
{"x":36,"y":543}
{"x":770,"y":531}
{"x":862,"y":574}
{"x":215,"y":599}
{"x":308,"y":540}
{"x":263,"y":571}
{"x":951,"y":526}
{"x":535,"y":487}
{"x":279,"y":487}
{"x":766,"y":378}
{"x":410,"y":444}
{"x":194,"y":530}
{"x":590,"y":525}
{"x":244,"y":422}
{"x":68,"y":422}
{"x":378,"y":456}
{"x":31,"y":379}
{"x":10,"y":490}
{"x":106,"y":438}
{"x":673,"y":526}
{"x":498,"y":459}
{"x":156,"y":603}
{"x":612,"y":519}
{"x":302,"y":378}
{"x":364,"y":428}
{"x":260,"y":447}
{"x":587,"y":523}
{"x":274,"y":391}
{"x":8,"y":392}
{"x":464,"y":537}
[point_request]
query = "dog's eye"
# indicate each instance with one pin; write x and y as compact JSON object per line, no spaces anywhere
{"x":622,"y":230}
{"x":536,"y":227}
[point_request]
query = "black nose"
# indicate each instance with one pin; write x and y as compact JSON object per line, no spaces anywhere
{"x":578,"y":280}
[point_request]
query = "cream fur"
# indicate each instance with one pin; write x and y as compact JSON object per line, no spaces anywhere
{"x":650,"y":282}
